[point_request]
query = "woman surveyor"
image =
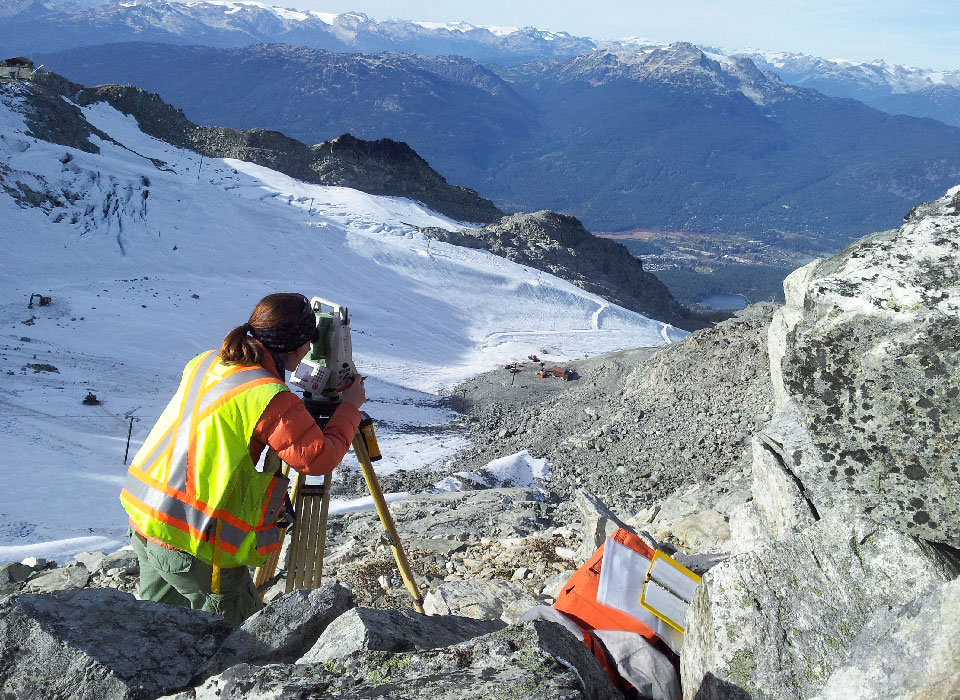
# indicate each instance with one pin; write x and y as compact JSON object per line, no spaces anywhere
{"x":200,"y":509}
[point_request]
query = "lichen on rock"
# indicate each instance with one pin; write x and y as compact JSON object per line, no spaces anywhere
{"x":869,"y":350}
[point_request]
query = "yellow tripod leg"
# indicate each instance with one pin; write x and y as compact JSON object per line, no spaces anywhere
{"x":373,"y":486}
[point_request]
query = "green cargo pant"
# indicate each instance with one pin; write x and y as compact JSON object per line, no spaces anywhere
{"x":173,"y":577}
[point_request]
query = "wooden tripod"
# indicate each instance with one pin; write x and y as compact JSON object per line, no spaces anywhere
{"x":309,"y":537}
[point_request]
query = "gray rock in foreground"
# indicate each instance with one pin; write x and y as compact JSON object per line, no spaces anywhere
{"x":479,"y":599}
{"x":14,"y":573}
{"x":775,"y":623}
{"x":599,"y":522}
{"x":59,"y":579}
{"x":780,"y":507}
{"x":93,"y":644}
{"x":911,"y":652}
{"x":284,"y":630}
{"x":370,"y":629}
{"x":534,"y":661}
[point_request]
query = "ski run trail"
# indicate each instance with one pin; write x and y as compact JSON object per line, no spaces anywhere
{"x":151,"y":256}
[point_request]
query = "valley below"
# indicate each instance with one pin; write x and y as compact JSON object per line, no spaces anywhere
{"x":704,"y":271}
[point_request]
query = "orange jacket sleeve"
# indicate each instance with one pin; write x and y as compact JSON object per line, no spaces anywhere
{"x":288,"y":428}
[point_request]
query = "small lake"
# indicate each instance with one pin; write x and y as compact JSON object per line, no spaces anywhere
{"x":724,"y":302}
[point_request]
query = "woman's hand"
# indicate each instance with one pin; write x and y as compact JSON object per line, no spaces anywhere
{"x":355,"y":394}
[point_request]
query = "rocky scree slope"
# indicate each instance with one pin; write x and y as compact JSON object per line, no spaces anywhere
{"x":636,"y":427}
{"x":380,"y":167}
{"x":560,"y":245}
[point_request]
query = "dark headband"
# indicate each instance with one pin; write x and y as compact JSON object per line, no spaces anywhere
{"x":289,"y":336}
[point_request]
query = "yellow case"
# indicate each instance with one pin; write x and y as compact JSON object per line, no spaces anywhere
{"x":658,"y":555}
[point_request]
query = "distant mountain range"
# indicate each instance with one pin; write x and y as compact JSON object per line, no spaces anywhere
{"x":31,"y":26}
{"x":39,"y":26}
{"x":892,"y":88}
{"x":668,"y":138}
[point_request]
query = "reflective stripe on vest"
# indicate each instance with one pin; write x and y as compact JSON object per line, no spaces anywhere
{"x":161,"y":489}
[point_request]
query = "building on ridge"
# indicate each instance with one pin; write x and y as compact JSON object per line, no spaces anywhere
{"x":17,"y":68}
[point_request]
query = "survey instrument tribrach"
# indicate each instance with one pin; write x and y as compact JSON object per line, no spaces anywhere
{"x":327,"y":370}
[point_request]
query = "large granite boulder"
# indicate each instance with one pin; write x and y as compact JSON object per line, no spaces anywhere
{"x":535,"y":660}
{"x":910,"y":652}
{"x":13,"y":574}
{"x":780,"y":506}
{"x":776,"y":622}
{"x":101,"y":643}
{"x":284,"y":630}
{"x":59,"y":579}
{"x":394,"y":630}
{"x":867,"y":346}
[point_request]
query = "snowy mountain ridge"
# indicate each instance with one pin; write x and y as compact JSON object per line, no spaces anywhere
{"x":240,"y":22}
{"x":541,"y":135}
{"x":681,"y":63}
{"x":235,"y":6}
{"x":898,"y":78}
{"x":33,"y":28}
{"x":895,"y":89}
{"x":464,"y":27}
{"x":151,"y":253}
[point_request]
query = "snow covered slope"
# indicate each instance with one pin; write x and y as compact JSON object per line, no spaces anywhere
{"x":150,"y":256}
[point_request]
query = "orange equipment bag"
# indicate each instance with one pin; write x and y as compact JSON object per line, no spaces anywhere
{"x":578,"y":600}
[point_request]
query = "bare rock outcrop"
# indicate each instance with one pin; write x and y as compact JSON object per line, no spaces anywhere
{"x":101,"y":643}
{"x":856,"y":481}
{"x":907,"y":652}
{"x":394,"y":631}
{"x":281,"y":632}
{"x":536,"y":660}
{"x":560,"y":245}
{"x":776,"y":622}
{"x":868,"y":348}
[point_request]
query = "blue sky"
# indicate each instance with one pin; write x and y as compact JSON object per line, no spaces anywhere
{"x":923,"y":33}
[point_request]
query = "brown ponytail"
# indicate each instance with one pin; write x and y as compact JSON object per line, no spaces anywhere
{"x":239,"y":348}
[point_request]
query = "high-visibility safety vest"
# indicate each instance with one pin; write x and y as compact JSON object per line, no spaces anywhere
{"x":193,"y":484}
